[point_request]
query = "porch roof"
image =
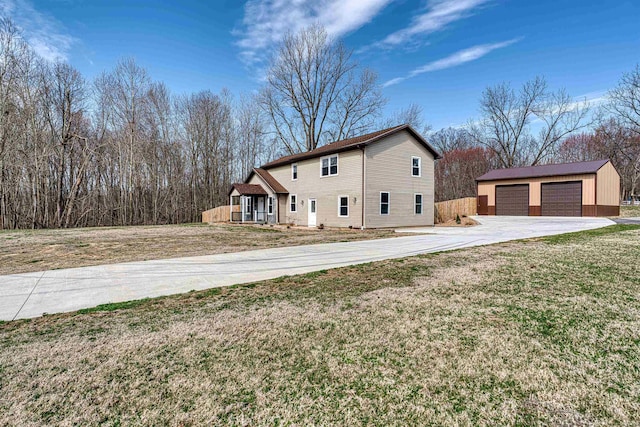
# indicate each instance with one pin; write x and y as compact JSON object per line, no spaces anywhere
{"x":248,"y":189}
{"x":270,"y":180}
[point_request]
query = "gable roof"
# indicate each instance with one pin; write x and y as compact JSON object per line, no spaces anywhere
{"x":248,"y":189}
{"x":270,"y":180}
{"x":579,"y":168}
{"x":351,"y":143}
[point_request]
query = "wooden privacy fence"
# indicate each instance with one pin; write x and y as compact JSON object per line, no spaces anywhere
{"x":219,"y":214}
{"x":446,"y":211}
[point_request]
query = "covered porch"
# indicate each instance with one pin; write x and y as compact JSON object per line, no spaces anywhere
{"x":249,"y":203}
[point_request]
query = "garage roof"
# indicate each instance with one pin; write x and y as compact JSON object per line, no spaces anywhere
{"x":579,"y":168}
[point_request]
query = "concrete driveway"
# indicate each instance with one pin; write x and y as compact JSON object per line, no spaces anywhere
{"x":32,"y":294}
{"x":632,"y":221}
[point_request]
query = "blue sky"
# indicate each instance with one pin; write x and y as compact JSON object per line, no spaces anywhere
{"x":439,"y":54}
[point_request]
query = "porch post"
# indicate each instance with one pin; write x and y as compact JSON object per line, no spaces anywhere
{"x":231,"y":207}
{"x":243,"y":202}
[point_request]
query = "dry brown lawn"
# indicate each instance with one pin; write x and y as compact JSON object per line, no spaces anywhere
{"x":24,"y":251}
{"x":542,"y":332}
{"x":629,"y":211}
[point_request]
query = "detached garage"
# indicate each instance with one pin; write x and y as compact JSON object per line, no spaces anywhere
{"x":569,"y":189}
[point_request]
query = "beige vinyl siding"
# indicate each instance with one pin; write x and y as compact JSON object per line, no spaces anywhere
{"x":588,"y":187}
{"x":283,"y":200}
{"x":388,"y":168}
{"x":608,"y":186}
{"x":326,"y":190}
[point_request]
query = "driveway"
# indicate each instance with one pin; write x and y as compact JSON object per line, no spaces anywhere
{"x":32,"y":294}
{"x":632,"y":221}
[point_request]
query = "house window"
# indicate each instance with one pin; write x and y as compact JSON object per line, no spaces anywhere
{"x":416,"y":166}
{"x":247,"y":201}
{"x":343,"y":206}
{"x":235,"y":200}
{"x":294,"y":171}
{"x":270,"y":206}
{"x":329,"y":166}
{"x":384,"y":203}
{"x":293,"y":203}
{"x":418,"y":204}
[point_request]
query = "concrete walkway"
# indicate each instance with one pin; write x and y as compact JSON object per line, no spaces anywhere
{"x":32,"y":294}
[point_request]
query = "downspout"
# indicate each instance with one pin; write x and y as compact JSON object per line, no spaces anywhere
{"x":363,"y":195}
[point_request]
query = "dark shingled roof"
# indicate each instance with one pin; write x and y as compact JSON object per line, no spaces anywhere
{"x":270,"y":180}
{"x":349,"y":144}
{"x":249,"y":189}
{"x":580,"y":168}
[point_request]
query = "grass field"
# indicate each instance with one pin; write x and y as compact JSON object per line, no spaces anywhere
{"x":25,"y":251}
{"x":540,"y":332}
{"x":629,"y":211}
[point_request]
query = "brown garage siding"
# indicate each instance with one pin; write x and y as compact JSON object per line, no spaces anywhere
{"x":608,"y":211}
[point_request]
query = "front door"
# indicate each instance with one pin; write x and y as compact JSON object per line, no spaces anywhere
{"x":248,"y":211}
{"x":260,"y":215}
{"x":312,"y":212}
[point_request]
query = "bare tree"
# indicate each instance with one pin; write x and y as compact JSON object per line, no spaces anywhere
{"x":13,"y":54}
{"x":252,"y":130}
{"x":457,"y":170}
{"x":315,"y":91}
{"x":449,"y":139}
{"x":413,"y":115}
{"x":65,"y":96}
{"x":130,"y":85}
{"x":624,"y":100}
{"x":624,"y":106}
{"x":509,"y":120}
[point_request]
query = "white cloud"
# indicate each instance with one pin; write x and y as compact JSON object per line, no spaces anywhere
{"x":266,"y":21}
{"x":593,"y":99}
{"x":461,"y":57}
{"x":437,"y":15}
{"x":46,"y":35}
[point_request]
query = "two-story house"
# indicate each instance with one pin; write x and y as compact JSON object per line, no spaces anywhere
{"x":381,"y":179}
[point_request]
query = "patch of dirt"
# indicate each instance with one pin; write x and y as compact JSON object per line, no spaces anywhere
{"x":464,"y":222}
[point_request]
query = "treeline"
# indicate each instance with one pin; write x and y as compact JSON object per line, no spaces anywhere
{"x":120,"y":150}
{"x":123,"y":150}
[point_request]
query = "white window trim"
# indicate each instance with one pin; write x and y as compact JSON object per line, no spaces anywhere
{"x":388,"y":203}
{"x":270,"y":204}
{"x":421,"y":203}
{"x":294,"y":165}
{"x":337,"y":165}
{"x":291,"y":196}
{"x":339,"y":206}
{"x":419,"y":166}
